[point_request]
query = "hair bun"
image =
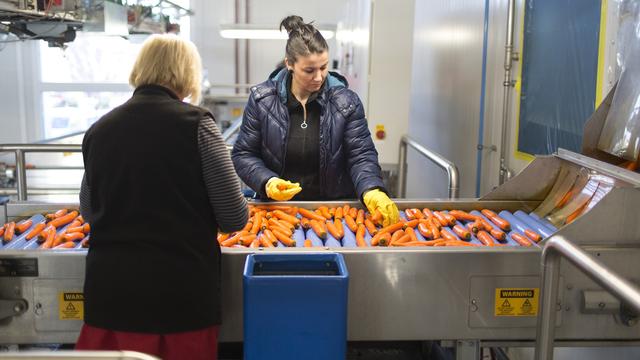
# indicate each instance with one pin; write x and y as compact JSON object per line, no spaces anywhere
{"x":292,"y":22}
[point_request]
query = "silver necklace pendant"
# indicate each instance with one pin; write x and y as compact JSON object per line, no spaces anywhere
{"x":304,"y":124}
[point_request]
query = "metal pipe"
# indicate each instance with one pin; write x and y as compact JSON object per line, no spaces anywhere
{"x":555,"y":248}
{"x":41,"y":191}
{"x":247,"y":50}
{"x":441,"y":161}
{"x":236,"y":46}
{"x":507,"y":84}
{"x":41,"y":147}
{"x":21,"y":175}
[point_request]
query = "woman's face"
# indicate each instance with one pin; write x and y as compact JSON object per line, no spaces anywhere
{"x":310,"y":71}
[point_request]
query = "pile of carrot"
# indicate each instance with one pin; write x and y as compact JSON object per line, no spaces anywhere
{"x":62,"y":229}
{"x":270,"y":224}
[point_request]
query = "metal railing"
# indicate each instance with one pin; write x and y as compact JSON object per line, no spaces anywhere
{"x":441,"y":161}
{"x":556,"y":248}
{"x":20,"y":150}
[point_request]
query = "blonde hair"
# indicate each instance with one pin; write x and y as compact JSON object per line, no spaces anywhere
{"x":169,"y":61}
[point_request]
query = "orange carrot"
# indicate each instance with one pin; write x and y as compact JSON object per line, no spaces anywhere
{"x":319,"y":229}
{"x":286,"y":217}
{"x":64,"y":220}
{"x":264,"y":241}
{"x":311,"y":215}
{"x":308,"y":243}
{"x":23,"y":226}
{"x":360,"y":217}
{"x":500,"y":222}
{"x":270,"y":237}
{"x":370,"y":227}
{"x":351,"y":224}
{"x":393,"y":227}
{"x":412,"y":234}
{"x":520,"y":239}
{"x":73,"y":236}
{"x":441,"y":218}
{"x":408,"y":213}
{"x":418,"y":214}
{"x":462,"y":232}
{"x":338,"y":214}
{"x":255,"y":243}
{"x":448,"y":235}
{"x":376,"y":218}
{"x":498,"y":234}
{"x":331,"y":227}
{"x":423,"y":228}
{"x":360,"y":236}
{"x":9,"y":230}
{"x":66,"y":245}
{"x":304,"y":222}
{"x":35,"y":231}
{"x":485,"y":238}
{"x":325,"y":212}
{"x":284,"y":239}
{"x":532,"y":235}
{"x":462,"y":215}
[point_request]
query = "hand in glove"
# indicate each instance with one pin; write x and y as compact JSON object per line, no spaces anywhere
{"x":378,"y":200}
{"x":281,"y":190}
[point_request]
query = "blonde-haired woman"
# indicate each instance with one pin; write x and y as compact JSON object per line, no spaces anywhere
{"x":158,"y":184}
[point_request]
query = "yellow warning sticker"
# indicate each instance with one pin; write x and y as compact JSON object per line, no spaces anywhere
{"x":516,"y":302}
{"x":71,"y":305}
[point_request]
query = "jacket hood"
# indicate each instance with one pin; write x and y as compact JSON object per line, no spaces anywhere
{"x":279,"y":77}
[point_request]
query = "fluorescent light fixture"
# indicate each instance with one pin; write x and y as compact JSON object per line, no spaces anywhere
{"x":253,"y":31}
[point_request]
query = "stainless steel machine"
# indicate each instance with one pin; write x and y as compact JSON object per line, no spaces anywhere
{"x":406,"y":294}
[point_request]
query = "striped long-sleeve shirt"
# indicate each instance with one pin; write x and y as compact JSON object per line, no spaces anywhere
{"x":219,"y":175}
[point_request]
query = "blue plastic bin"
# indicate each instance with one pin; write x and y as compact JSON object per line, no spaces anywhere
{"x":295,"y":306}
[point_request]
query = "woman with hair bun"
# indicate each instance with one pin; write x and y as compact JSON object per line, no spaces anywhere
{"x":304,"y":133}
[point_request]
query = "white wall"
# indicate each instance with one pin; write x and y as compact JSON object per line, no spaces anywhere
{"x":12,"y":117}
{"x":390,"y":73}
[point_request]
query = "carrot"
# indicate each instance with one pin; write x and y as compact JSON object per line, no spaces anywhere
{"x":412,"y":234}
{"x":360,"y":217}
{"x":376,"y":218}
{"x":85,"y":242}
{"x":458,"y":243}
{"x":370,"y":227}
{"x":450,"y":218}
{"x":81,"y":219}
{"x":485,"y":238}
{"x":44,"y":234}
{"x":230,"y":242}
{"x":351,"y":224}
{"x":311,"y":215}
{"x":60,"y":213}
{"x":403,"y":239}
{"x":462,"y":215}
{"x":66,"y":245}
{"x":23,"y":226}
{"x":448,"y":235}
{"x":270,"y":237}
{"x":288,"y":218}
{"x":418,"y":214}
{"x":381,"y":239}
{"x":412,"y":223}
{"x":247,"y":240}
{"x":75,"y":223}
{"x":441,"y":218}
{"x":396,"y":235}
{"x":574,"y":215}
{"x":64,"y":220}
{"x":462,"y":232}
{"x":500,"y":222}
{"x":73,"y":236}
{"x":331,"y":227}
{"x":339,"y":226}
{"x":474,"y":227}
{"x":264,"y":241}
{"x":520,"y":239}
{"x":345,"y":210}
{"x":353,"y":212}
{"x":284,"y":239}
{"x":255,"y":243}
{"x":498,"y":234}
{"x":222,"y":237}
{"x":319,"y":229}
{"x":408,"y":213}
{"x":435,"y":230}
{"x":325,"y":212}
{"x":51,"y":236}
{"x":338,"y":214}
{"x":35,"y":231}
{"x":273,"y":222}
{"x":86,"y":228}
{"x":360,"y":236}
{"x":532,"y":235}
{"x":393,"y":227}
{"x":308,"y":243}
{"x":565,"y":199}
{"x":257,"y":222}
{"x":412,"y":243}
{"x":423,"y":228}
{"x":427,"y":213}
{"x":9,"y":231}
{"x":304,"y":222}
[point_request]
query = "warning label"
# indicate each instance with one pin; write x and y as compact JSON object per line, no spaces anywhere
{"x":516,"y":302}
{"x":71,"y":306}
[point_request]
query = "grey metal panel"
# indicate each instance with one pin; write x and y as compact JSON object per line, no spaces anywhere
{"x":445,"y":92}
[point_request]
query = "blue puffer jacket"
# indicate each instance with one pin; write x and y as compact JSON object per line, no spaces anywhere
{"x":348,"y":158}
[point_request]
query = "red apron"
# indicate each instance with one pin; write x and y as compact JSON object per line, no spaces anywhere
{"x":193,"y":345}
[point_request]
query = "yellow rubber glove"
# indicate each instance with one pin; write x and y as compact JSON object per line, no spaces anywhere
{"x":378,"y":200}
{"x":281,"y":190}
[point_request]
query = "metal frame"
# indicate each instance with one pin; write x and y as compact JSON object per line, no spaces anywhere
{"x":555,"y":248}
{"x":441,"y":161}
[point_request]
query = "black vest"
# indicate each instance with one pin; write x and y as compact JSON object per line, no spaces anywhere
{"x":154,"y":262}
